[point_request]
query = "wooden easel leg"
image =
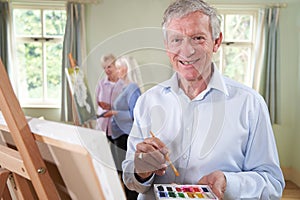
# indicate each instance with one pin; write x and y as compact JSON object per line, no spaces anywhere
{"x":6,"y":194}
{"x":90,"y":125}
{"x":3,"y":179}
{"x":24,"y":141}
{"x":74,"y":112}
{"x":22,"y":188}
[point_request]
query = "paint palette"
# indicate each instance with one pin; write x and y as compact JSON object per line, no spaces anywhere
{"x":173,"y":191}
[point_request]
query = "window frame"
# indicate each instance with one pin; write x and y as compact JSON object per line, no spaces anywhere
{"x":224,"y":10}
{"x":43,"y":39}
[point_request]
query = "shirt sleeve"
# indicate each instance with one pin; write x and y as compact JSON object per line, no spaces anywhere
{"x":136,"y":136}
{"x":97,"y":92}
{"x":261,"y":177}
{"x":133,"y":184}
{"x":132,"y":100}
{"x":124,"y":118}
{"x":100,"y":110}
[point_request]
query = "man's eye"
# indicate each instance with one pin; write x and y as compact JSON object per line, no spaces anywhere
{"x":198,"y":38}
{"x":175,"y":40}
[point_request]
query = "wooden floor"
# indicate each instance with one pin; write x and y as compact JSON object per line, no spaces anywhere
{"x":291,"y":191}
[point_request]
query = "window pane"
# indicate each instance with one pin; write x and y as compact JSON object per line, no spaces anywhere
{"x":55,"y":21}
{"x":54,"y":62}
{"x":237,"y":63}
{"x":27,"y":22}
{"x":29,"y":56}
{"x":222,"y":22}
{"x":238,"y":27}
{"x":217,"y":59}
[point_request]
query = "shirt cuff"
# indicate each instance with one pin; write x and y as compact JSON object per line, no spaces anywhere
{"x":232,"y":186}
{"x":142,"y":180}
{"x":143,"y":187}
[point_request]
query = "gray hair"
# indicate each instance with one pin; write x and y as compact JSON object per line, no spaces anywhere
{"x":106,"y":57}
{"x":180,"y":8}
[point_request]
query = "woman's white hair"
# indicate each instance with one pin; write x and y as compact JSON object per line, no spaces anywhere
{"x":133,"y":71}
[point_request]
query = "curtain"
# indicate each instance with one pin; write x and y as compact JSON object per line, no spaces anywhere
{"x":74,"y":43}
{"x":4,"y":33}
{"x":3,"y":28}
{"x":6,"y":40}
{"x":266,"y":62}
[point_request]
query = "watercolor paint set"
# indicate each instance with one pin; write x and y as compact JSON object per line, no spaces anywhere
{"x":174,"y":191}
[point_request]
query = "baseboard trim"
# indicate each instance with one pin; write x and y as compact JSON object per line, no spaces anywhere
{"x":291,"y":174}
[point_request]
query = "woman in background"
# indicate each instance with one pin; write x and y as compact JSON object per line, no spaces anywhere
{"x":122,"y":121}
{"x":106,"y":92}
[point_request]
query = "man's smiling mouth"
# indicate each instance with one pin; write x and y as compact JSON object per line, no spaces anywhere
{"x":189,"y":62}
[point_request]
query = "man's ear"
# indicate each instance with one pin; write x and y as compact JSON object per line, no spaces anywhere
{"x":218,"y":42}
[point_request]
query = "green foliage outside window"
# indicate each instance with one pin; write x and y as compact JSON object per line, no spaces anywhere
{"x":55,"y":22}
{"x":39,"y":53}
{"x":234,"y":56}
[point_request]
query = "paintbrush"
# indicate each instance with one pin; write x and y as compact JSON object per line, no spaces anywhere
{"x":168,"y":159}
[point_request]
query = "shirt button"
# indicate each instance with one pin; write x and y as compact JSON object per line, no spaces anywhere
{"x":184,"y":156}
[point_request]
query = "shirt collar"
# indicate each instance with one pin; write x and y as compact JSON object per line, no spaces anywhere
{"x":216,"y":82}
{"x":107,"y":82}
{"x":170,"y":84}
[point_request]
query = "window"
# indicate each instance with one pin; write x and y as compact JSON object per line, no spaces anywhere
{"x":39,"y":41}
{"x":235,"y":56}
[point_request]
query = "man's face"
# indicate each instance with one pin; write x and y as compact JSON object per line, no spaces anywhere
{"x":190,"y":45}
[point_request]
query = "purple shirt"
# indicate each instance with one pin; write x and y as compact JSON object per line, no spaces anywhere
{"x":107,"y":92}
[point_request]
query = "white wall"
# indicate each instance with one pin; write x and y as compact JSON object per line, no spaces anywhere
{"x":123,"y":27}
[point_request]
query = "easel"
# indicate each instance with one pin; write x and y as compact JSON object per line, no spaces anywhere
{"x":26,"y":163}
{"x":74,"y":109}
{"x":75,"y":112}
{"x":65,"y":160}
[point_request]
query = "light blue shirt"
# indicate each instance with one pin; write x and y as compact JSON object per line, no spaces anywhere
{"x":124,"y":105}
{"x":226,"y":127}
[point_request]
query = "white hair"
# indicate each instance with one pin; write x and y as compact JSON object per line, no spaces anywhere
{"x":182,"y":8}
{"x":133,"y":71}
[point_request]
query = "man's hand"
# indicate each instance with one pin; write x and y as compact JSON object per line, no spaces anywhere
{"x":150,"y":158}
{"x":216,"y":181}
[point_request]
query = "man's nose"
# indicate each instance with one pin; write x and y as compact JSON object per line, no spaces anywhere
{"x":188,"y":48}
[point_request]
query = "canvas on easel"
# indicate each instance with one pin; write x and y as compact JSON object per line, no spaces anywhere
{"x":82,"y":105}
{"x":41,"y":159}
{"x":78,"y":159}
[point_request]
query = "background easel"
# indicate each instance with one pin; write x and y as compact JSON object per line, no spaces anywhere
{"x":26,"y":163}
{"x":75,"y":111}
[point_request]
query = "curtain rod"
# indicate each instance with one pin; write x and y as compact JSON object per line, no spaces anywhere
{"x":53,"y":1}
{"x":253,"y":5}
{"x":84,"y":1}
